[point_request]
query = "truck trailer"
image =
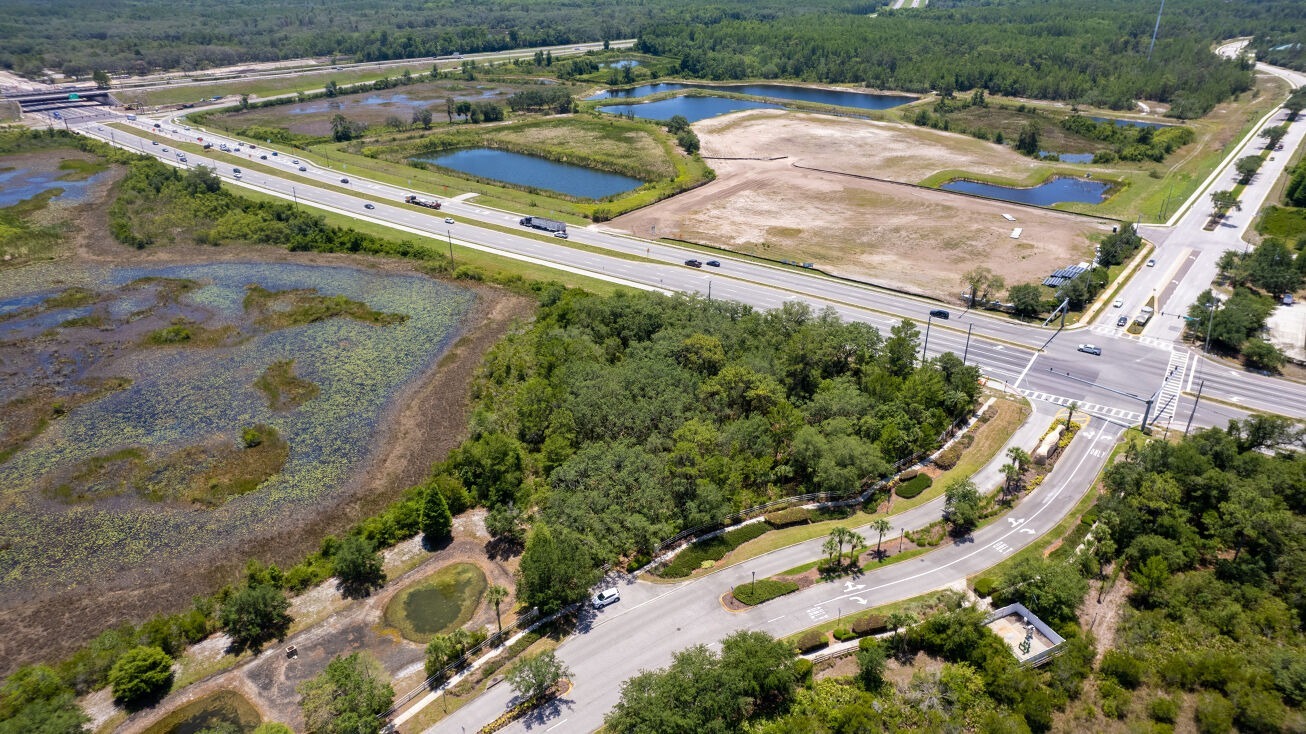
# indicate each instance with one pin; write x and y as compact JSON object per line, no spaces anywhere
{"x":548,"y":225}
{"x":419,"y":201}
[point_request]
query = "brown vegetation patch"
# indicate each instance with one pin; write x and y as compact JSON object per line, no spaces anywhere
{"x":282,"y":309}
{"x":283,"y":388}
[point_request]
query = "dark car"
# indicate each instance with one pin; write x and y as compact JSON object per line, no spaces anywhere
{"x":1120,"y":322}
{"x":939,"y":313}
{"x":344,"y":180}
{"x":369,"y":206}
{"x":262,"y":157}
{"x":694,"y":263}
{"x":713,"y":263}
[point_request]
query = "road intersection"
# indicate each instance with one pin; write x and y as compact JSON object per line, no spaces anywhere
{"x":653,"y":621}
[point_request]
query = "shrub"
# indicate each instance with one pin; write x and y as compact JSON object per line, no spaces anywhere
{"x":639,"y":561}
{"x":1124,"y":668}
{"x":141,"y":673}
{"x":949,"y":457}
{"x":844,"y":635}
{"x":755,"y":593}
{"x":1115,"y":700}
{"x":713,"y":549}
{"x":914,"y":486}
{"x":811,"y":640}
{"x":1214,"y":714}
{"x":791,"y":516}
{"x":871,"y":624}
{"x":1163,"y":709}
{"x":803,"y":671}
{"x":985,"y":585}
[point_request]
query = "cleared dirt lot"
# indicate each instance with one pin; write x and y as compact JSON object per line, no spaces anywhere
{"x":871,"y":230}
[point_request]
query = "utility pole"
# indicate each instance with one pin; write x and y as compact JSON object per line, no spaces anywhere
{"x":965,"y":352}
{"x":449,"y":234}
{"x":1210,"y":320}
{"x":1193,"y":412}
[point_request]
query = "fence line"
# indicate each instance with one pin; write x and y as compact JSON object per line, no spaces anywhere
{"x":666,"y":550}
{"x":491,"y":641}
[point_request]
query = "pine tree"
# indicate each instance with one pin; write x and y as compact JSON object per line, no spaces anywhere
{"x":437,"y":523}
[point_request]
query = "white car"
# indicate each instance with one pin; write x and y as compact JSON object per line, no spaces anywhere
{"x":606,"y":597}
{"x":448,"y":220}
{"x":1091,"y":349}
{"x":1151,"y":263}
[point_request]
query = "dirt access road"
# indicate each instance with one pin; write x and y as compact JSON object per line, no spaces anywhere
{"x":874,"y":230}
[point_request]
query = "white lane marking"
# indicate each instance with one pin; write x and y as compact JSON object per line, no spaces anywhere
{"x":555,"y":726}
{"x":769,"y":621}
{"x":994,"y":544}
{"x":1022,"y":374}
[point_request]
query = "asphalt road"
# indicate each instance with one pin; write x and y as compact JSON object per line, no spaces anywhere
{"x":652,"y":621}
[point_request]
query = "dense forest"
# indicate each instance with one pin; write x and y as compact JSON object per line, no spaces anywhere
{"x":79,"y":36}
{"x":623,"y":420}
{"x":1094,"y":51}
{"x":1091,"y":51}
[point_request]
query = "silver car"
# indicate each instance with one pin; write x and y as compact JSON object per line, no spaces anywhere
{"x":606,"y":597}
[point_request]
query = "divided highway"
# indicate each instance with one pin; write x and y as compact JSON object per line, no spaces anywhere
{"x":653,"y":621}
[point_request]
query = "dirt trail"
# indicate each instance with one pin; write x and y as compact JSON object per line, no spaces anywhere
{"x":269,"y":680}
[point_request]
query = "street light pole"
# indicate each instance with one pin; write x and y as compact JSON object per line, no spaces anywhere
{"x":966,"y":351}
{"x":449,"y":233}
{"x":926,"y":346}
{"x":1210,"y":319}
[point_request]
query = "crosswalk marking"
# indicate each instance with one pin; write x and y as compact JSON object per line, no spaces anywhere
{"x":1115,"y":415}
{"x":1151,"y":341}
{"x":1167,"y":399}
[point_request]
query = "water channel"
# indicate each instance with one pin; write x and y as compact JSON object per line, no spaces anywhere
{"x":1056,"y":191}
{"x":533,"y":172}
{"x":691,"y":108}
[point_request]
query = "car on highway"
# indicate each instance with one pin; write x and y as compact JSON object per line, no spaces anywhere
{"x":1151,"y":262}
{"x":294,"y":162}
{"x":448,"y":220}
{"x":165,"y":149}
{"x":1091,"y":349}
{"x":303,"y":168}
{"x":262,"y":157}
{"x":155,"y":142}
{"x":369,"y":206}
{"x":344,"y":180}
{"x":694,"y":263}
{"x":605,"y":598}
{"x":560,"y":235}
{"x":1118,"y":303}
{"x":939,"y":313}
{"x":274,"y":152}
{"x":713,"y":263}
{"x":1122,"y":321}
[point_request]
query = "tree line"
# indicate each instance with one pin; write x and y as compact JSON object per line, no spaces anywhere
{"x":1082,"y":50}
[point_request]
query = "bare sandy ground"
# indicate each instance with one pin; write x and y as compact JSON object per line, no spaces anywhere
{"x":878,"y":231}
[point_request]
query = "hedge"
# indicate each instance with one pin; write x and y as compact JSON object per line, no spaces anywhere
{"x":810,"y":641}
{"x":949,"y":457}
{"x":870,"y":624}
{"x":844,"y":635}
{"x":754,"y":593}
{"x":713,"y":549}
{"x":984,"y":585}
{"x":914,"y":486}
{"x":791,"y":516}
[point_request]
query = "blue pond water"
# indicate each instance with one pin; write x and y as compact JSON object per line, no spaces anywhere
{"x":860,"y":100}
{"x":623,"y":64}
{"x":540,"y":173}
{"x":24,"y":183}
{"x":1070,"y":157}
{"x":691,"y":108}
{"x":1128,"y":123}
{"x":1056,"y":191}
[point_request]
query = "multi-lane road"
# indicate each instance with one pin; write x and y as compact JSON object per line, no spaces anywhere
{"x":1151,"y":373}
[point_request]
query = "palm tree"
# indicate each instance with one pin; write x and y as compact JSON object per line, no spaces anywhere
{"x":1012,"y":473}
{"x":856,"y":544}
{"x":497,"y":595}
{"x":833,"y":545}
{"x":896,"y":621}
{"x":1020,"y":457}
{"x":881,"y":526}
{"x":1072,"y":408}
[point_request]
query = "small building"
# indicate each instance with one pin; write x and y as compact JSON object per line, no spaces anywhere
{"x":1031,"y":641}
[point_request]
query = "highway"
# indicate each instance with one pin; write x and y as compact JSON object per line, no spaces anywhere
{"x":1134,"y":374}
